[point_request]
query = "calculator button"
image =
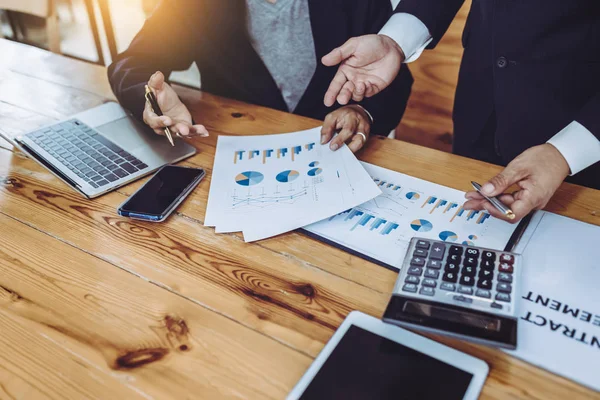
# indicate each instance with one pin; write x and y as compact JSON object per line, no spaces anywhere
{"x":422,"y":244}
{"x":467,"y":280}
{"x":504,"y":287}
{"x":412,"y":279}
{"x":484,"y":283}
{"x":435,"y":264}
{"x":450,"y":277}
{"x":470,"y":271}
{"x":437,"y":251}
{"x":432,"y":273}
{"x":506,"y":268}
{"x":502,"y":277}
{"x":486,"y":294}
{"x":507,"y":258}
{"x":416,"y":271}
{"x":470,"y":261}
{"x":463,"y":299}
{"x":496,"y":305}
{"x":417,"y":261}
{"x":487,"y":264}
{"x":420,"y":253}
{"x":488,"y":256}
{"x":471,"y":252}
{"x":456,"y":258}
{"x":465,"y":290}
{"x":448,"y":286}
{"x":451,"y":267}
{"x":430,"y":282}
{"x":410,"y":287}
{"x":503,"y":297}
{"x":457,"y":250}
{"x":485,"y":274}
{"x":427,"y":291}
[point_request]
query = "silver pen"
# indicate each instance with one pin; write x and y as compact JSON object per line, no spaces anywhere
{"x":503,"y":208}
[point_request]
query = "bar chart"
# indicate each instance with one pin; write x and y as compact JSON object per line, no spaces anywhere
{"x":283,"y":152}
{"x":370,"y":222}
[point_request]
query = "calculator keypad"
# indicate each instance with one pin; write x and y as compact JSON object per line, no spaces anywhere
{"x":461,"y":275}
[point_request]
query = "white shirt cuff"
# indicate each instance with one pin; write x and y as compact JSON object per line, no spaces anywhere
{"x":409,"y":33}
{"x":578,"y":146}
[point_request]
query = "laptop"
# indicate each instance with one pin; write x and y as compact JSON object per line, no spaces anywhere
{"x":100,"y":149}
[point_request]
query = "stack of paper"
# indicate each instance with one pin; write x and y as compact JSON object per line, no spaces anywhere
{"x":267,"y":185}
{"x":381,"y":228}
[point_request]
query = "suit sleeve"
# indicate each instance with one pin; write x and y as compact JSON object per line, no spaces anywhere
{"x":437,"y":15}
{"x":165,"y":43}
{"x":589,"y":116}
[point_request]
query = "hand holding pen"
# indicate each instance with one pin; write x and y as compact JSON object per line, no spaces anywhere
{"x":175,"y":115}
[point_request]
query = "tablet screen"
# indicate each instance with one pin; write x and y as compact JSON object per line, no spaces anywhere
{"x":367,"y":366}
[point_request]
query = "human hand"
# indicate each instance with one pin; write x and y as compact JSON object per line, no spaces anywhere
{"x":175,"y":114}
{"x":538,"y":172}
{"x":351,"y":122}
{"x":369,"y":64}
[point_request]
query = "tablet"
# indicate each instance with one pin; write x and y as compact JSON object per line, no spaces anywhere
{"x":370,"y":359}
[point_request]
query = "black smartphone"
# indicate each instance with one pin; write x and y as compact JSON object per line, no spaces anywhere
{"x":159,"y":197}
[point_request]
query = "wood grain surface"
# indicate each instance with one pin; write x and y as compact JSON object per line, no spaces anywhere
{"x":99,"y":306}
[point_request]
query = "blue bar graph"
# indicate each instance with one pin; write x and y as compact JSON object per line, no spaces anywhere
{"x":388,"y":228}
{"x":353,"y":213}
{"x":397,"y":187}
{"x":482,"y":218}
{"x":377,"y":223}
{"x":238,"y":156}
{"x":363,"y":221}
{"x":450,"y":207}
{"x":472,"y":214}
{"x":430,"y":200}
{"x":253,"y":153}
{"x":309,"y":146}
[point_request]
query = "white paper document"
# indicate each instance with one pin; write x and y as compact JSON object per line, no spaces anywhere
{"x":382,"y":227}
{"x":267,"y":185}
{"x":559,"y":328}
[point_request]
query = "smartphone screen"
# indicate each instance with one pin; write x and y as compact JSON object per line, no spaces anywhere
{"x":162,"y":192}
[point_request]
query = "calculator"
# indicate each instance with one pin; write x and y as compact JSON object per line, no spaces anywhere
{"x":458,"y":290}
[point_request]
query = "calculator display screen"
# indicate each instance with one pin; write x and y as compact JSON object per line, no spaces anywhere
{"x":446,"y":314}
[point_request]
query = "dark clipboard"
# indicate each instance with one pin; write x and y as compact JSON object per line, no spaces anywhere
{"x":510,"y":245}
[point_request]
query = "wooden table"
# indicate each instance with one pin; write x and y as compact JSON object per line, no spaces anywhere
{"x":93,"y":305}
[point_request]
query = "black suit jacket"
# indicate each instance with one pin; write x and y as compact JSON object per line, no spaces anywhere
{"x":213,"y":33}
{"x":534,"y":63}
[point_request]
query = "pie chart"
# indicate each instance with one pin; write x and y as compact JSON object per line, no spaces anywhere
{"x":448,"y":236}
{"x":313,"y":164}
{"x":249,"y":178}
{"x":315,"y":172}
{"x":421,"y":225}
{"x":287,"y":176}
{"x":412,"y":196}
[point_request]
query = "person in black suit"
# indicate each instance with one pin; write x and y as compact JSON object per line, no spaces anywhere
{"x":264,"y":52}
{"x":528,"y":94}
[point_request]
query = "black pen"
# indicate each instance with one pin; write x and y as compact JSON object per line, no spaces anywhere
{"x":156,"y":109}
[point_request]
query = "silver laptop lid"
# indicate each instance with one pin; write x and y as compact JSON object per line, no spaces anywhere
{"x":117,"y":126}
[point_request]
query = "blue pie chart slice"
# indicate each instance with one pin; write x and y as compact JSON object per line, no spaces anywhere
{"x":315,"y":172}
{"x":421,"y":225}
{"x":249,"y":178}
{"x":287,"y":176}
{"x":313,"y":164}
{"x":448,"y":236}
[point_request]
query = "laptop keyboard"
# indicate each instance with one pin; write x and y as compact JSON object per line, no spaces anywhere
{"x":86,"y":153}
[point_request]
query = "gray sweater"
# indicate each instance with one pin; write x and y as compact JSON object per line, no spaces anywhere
{"x":281,"y":34}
